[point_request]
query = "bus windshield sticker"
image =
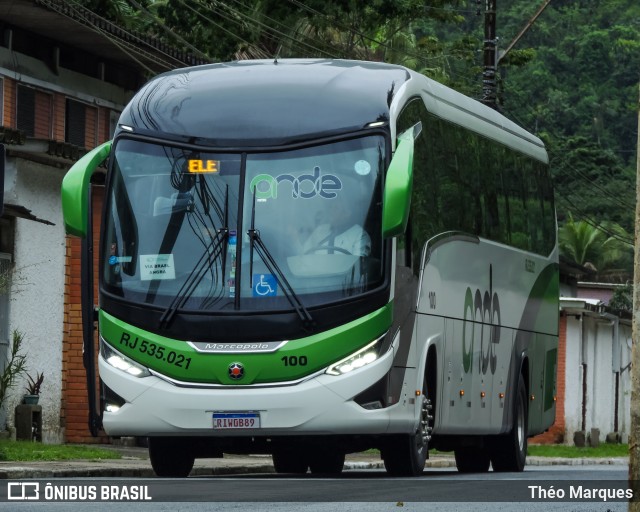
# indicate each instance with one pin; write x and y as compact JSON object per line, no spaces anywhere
{"x":114,"y":260}
{"x":264,"y":285}
{"x":157,"y":266}
{"x":362,"y":167}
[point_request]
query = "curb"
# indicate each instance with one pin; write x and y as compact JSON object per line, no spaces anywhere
{"x":141,"y":468}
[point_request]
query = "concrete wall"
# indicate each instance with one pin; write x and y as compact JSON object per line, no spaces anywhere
{"x":598,"y":348}
{"x":573,"y":378}
{"x":37,"y":305}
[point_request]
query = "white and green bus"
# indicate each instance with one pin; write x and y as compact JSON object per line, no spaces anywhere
{"x":309,"y":258}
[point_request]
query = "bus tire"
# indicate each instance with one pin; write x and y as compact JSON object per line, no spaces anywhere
{"x":509,"y":452}
{"x":472,"y":460}
{"x":290,"y":461}
{"x":170,"y":458}
{"x":329,"y":462}
{"x":406,"y":455}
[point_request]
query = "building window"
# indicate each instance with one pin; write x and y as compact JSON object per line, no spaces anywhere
{"x":34,"y":112}
{"x":75,"y":123}
{"x":26,"y":110}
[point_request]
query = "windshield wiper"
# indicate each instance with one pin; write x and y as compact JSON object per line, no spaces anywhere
{"x":255,"y":242}
{"x":217,"y":247}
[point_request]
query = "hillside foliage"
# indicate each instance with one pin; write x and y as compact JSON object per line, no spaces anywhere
{"x":572,"y":79}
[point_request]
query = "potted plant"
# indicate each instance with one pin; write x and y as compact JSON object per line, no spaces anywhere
{"x":33,"y":388}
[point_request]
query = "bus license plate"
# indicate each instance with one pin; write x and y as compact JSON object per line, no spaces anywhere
{"x":235,"y":420}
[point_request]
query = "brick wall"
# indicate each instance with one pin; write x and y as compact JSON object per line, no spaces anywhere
{"x":74,"y":414}
{"x":555,"y":434}
{"x":91,"y":128}
{"x":59,"y":105}
{"x":9,"y":103}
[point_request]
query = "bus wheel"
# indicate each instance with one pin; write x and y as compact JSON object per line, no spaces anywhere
{"x":509,"y":452}
{"x":472,"y":460}
{"x":407,"y":455}
{"x":328,"y":462}
{"x":290,"y":461}
{"x":170,"y":458}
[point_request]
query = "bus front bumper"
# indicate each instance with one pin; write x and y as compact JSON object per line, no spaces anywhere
{"x":322,"y":405}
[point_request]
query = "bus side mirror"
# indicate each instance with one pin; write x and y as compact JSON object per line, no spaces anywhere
{"x":75,"y":190}
{"x":397,"y":188}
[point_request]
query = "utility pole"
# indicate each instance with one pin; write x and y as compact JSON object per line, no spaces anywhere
{"x":634,"y":435}
{"x":489,"y":86}
{"x":491,"y":56}
{"x":503,"y":54}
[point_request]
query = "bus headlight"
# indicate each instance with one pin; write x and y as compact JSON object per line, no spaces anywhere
{"x":366,"y":355}
{"x":122,"y":362}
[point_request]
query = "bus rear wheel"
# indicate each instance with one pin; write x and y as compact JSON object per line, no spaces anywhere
{"x":170,"y":458}
{"x":509,"y":452}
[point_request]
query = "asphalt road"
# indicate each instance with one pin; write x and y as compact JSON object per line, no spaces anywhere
{"x":370,"y":490}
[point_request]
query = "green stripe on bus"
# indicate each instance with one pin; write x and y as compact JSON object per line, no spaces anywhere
{"x":295,"y":360}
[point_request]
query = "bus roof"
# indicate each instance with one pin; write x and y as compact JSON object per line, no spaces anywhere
{"x":262,"y":103}
{"x":257,"y":103}
{"x":457,"y":108}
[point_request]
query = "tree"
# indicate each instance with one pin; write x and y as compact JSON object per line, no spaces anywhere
{"x":386,"y":30}
{"x":622,"y":299}
{"x":578,"y":93}
{"x":598,"y":247}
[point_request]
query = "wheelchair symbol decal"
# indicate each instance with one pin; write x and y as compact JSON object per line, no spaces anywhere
{"x":264,"y":285}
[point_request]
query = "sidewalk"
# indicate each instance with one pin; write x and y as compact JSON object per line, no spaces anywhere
{"x":135,"y":463}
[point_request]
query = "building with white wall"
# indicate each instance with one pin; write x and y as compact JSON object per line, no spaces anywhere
{"x":63,"y":83}
{"x":594,"y":381}
{"x":598,"y":358}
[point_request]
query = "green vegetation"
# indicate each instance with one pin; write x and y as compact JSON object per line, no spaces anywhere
{"x":597,"y":247}
{"x":15,"y":366}
{"x":622,"y":299}
{"x":560,"y":450}
{"x":29,"y":451}
{"x":572,"y":78}
{"x":579,"y":93}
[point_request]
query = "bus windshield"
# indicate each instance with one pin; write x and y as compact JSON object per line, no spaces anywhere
{"x":181,"y":225}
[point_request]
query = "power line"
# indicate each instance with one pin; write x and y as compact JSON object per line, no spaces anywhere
{"x":120,"y":44}
{"x":236,"y":17}
{"x":264,"y":25}
{"x":361,"y":34}
{"x":281,"y":25}
{"x":226,"y":31}
{"x":171,"y":32}
{"x":580,"y":211}
{"x":125,"y":46}
{"x":586,"y":218}
{"x":120,"y":41}
{"x":616,"y":199}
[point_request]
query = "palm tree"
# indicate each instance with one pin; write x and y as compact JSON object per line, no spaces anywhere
{"x":599,"y":247}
